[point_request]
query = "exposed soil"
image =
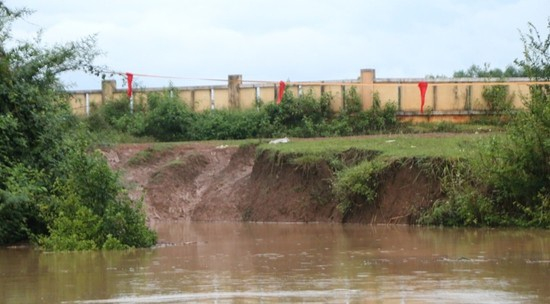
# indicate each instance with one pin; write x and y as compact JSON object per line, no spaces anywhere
{"x":205,"y":182}
{"x":405,"y":190}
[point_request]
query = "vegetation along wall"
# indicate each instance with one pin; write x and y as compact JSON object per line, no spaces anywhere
{"x":455,"y":99}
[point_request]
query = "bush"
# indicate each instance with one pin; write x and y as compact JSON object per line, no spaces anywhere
{"x":125,"y":222}
{"x":114,"y":121}
{"x":358,"y":185}
{"x":227,"y":124}
{"x":519,"y":168}
{"x":508,"y":184}
{"x":297,"y":116}
{"x":465,"y":203}
{"x":354,"y":121}
{"x":19,"y":214}
{"x":168,"y":118}
{"x":89,"y":207}
{"x":75,"y":230}
{"x":497,"y":98}
{"x":113,"y":243}
{"x":52,"y":189}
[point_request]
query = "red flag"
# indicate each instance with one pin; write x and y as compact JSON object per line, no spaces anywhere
{"x":282,"y":86}
{"x":423,"y":86}
{"x":130,"y":78}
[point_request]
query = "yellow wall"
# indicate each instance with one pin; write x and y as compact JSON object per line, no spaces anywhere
{"x":221,"y":99}
{"x":450,"y":97}
{"x":293,"y":89}
{"x":478,"y":103}
{"x":267,"y":94}
{"x":521,"y":92}
{"x":77,"y":101}
{"x":441,"y":97}
{"x":202,"y":100}
{"x":336,"y":92}
{"x":313,"y":89}
{"x":248,"y":98}
{"x":187,"y":97}
{"x":410,"y":98}
{"x":387,"y":94}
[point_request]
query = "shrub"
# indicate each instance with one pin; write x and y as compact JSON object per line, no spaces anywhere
{"x":465,"y":202}
{"x":89,"y":206}
{"x":19,"y":214}
{"x":358,"y":185}
{"x":115,"y":109}
{"x":497,"y":98}
{"x":508,"y":184}
{"x":114,"y":118}
{"x":226,"y":124}
{"x":352,"y":102}
{"x":168,"y":118}
{"x":52,"y":190}
{"x":519,"y":168}
{"x":113,"y":243}
{"x":303,"y":116}
{"x":76,"y":230}
{"x":354,"y":121}
{"x":124,"y":221}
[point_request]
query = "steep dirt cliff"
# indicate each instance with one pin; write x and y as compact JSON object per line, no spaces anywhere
{"x":205,"y":182}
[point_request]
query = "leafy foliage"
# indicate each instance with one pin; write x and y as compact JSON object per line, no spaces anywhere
{"x":465,"y":202}
{"x":53,"y":190}
{"x":509,"y":184}
{"x":302,"y":116}
{"x":520,"y":168}
{"x":497,"y":98}
{"x":19,"y":215}
{"x":167,"y":118}
{"x":357,"y":185}
{"x":227,"y":124}
{"x":485,"y":71}
{"x":354,"y":121}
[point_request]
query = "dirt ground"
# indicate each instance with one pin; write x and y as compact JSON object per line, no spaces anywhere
{"x":206,"y":182}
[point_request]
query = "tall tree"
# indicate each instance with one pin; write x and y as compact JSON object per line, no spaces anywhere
{"x":520,"y":166}
{"x":485,"y":71}
{"x":50,"y":186}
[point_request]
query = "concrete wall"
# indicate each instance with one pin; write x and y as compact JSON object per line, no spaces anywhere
{"x":443,"y":97}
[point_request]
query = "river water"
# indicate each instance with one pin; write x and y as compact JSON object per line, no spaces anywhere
{"x":300,"y":263}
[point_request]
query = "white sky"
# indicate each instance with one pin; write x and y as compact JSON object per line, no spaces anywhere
{"x":295,"y":40}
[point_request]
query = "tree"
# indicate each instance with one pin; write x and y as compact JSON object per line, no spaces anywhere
{"x":485,"y":71}
{"x":47,"y":173}
{"x":519,"y":166}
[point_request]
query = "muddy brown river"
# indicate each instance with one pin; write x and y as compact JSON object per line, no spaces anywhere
{"x":300,"y":263}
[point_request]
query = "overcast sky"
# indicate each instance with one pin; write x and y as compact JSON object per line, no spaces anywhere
{"x":295,"y":40}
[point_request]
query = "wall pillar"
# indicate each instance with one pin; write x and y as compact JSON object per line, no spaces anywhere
{"x":367,"y":87}
{"x":234,"y":84}
{"x":435,"y":97}
{"x":193,"y":100}
{"x":108,"y":88}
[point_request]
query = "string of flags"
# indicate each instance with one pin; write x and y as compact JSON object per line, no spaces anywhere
{"x":130,"y":79}
{"x":423,"y":86}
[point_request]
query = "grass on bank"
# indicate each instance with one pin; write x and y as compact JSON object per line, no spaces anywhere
{"x":392,"y":146}
{"x":447,"y":145}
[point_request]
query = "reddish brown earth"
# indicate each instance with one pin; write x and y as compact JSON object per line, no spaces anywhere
{"x":205,"y":182}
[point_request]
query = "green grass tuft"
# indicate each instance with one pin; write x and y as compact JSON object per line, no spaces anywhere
{"x":390,"y":146}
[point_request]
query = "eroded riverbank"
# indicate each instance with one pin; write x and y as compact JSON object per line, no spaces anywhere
{"x":209,"y":182}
